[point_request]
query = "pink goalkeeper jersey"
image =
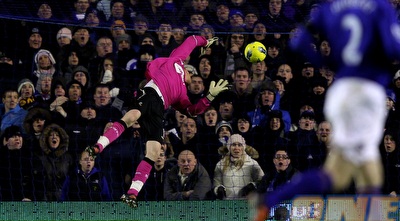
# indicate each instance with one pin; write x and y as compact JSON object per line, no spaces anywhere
{"x":169,"y":76}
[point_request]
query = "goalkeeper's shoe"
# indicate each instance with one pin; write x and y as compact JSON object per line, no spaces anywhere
{"x":209,"y":43}
{"x":93,"y":150}
{"x":130,"y":200}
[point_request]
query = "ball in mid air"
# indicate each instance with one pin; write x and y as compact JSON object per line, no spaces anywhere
{"x":255,"y":52}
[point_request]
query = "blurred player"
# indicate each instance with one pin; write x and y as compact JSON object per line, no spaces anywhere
{"x":167,"y":79}
{"x":365,"y":39}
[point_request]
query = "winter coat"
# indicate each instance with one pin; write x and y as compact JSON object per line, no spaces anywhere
{"x":275,"y":180}
{"x":199,"y":181}
{"x":235,"y":178}
{"x":81,"y":187}
{"x":54,"y":164}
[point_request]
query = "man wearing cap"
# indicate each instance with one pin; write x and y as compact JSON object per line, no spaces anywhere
{"x":167,"y":79}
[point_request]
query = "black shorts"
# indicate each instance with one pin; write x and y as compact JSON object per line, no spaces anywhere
{"x":151,"y":108}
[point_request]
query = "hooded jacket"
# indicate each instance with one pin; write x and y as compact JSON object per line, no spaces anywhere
{"x":54,"y":163}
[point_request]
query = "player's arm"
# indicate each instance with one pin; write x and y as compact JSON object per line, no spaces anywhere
{"x":186,"y":107}
{"x":191,"y":42}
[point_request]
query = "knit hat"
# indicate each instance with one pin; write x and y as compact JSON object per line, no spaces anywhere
{"x":147,"y":49}
{"x":42,"y":52}
{"x":223,"y":124}
{"x":308,"y":114}
{"x":35,"y":30}
{"x":236,"y":138}
{"x":141,"y":18}
{"x":64,"y":32}
{"x":11,"y":131}
{"x":23,"y":82}
{"x":118,"y":24}
{"x":123,"y":37}
{"x":191,"y":69}
{"x":81,"y":68}
{"x":236,"y":12}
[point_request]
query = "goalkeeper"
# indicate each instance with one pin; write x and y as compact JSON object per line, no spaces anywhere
{"x":167,"y":79}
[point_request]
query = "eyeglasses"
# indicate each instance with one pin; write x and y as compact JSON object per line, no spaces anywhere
{"x":237,"y":37}
{"x":281,"y":156}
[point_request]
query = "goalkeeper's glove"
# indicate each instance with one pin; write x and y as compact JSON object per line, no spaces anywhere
{"x":216,"y":88}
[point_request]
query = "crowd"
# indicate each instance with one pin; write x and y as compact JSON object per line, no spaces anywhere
{"x":78,"y":65}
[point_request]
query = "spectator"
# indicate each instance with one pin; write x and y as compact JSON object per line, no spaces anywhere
{"x":234,"y":49}
{"x":282,"y":174}
{"x":259,"y":74}
{"x":196,"y":20}
{"x":81,"y":74}
{"x":15,"y":164}
{"x":45,"y":65}
{"x":189,"y":138}
{"x":118,"y":12}
{"x":225,"y":103}
{"x":236,"y":174}
{"x":141,"y":27}
{"x":80,"y":7}
{"x":165,"y":42}
{"x":274,"y":137}
{"x":117,"y":28}
{"x":43,"y":90}
{"x":27,"y":53}
{"x":86,"y":183}
{"x":64,"y":36}
{"x":196,"y":87}
{"x":10,"y":111}
{"x":54,"y":163}
{"x":391,"y":161}
{"x":236,"y":18}
{"x":207,"y":70}
{"x":157,"y":14}
{"x":104,"y":46}
{"x":267,"y":100}
{"x":244,"y":93}
{"x":94,"y":18}
{"x":221,"y":23}
{"x":188,"y":180}
{"x":179,"y":34}
{"x":26,"y":92}
{"x":125,"y":50}
{"x":69,"y":63}
{"x":82,"y":44}
{"x":324,"y":136}
{"x":34,"y":123}
{"x":304,"y":144}
{"x":153,"y":189}
{"x":274,"y":19}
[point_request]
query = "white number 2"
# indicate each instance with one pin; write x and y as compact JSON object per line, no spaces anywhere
{"x":351,"y":55}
